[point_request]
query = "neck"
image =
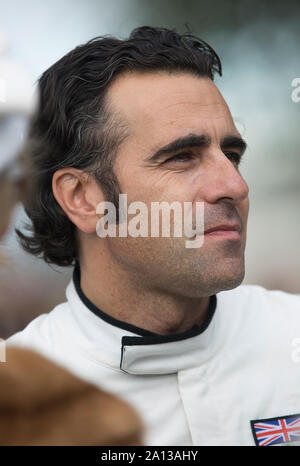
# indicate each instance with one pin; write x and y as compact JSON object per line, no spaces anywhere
{"x":147,"y":309}
{"x":125,"y":297}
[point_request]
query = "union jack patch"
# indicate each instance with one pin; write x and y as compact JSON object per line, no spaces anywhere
{"x":283,"y":430}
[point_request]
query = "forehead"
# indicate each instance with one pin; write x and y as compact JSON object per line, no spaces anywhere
{"x":154,"y":104}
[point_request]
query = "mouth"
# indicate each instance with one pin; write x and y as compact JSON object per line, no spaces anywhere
{"x":232,"y":232}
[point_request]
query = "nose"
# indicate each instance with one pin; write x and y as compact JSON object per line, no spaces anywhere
{"x":223,"y":180}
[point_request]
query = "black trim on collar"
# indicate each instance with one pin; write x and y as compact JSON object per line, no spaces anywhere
{"x":156,"y":338}
{"x":150,"y":338}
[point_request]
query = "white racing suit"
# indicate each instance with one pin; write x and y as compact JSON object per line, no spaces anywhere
{"x":233,"y":381}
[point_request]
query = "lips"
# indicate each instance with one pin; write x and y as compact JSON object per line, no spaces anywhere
{"x":226,"y":227}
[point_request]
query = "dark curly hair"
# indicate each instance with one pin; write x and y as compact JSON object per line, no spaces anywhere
{"x":74,"y":127}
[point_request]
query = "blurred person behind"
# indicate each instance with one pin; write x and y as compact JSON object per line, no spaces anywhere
{"x":26,"y":288}
{"x":17,"y":101}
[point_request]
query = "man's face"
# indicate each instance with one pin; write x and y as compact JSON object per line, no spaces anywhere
{"x":161,"y":108}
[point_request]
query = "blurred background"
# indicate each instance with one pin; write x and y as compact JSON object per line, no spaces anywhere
{"x":259,"y":45}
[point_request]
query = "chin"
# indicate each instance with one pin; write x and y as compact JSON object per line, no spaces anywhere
{"x":230,"y":281}
{"x":209,"y":284}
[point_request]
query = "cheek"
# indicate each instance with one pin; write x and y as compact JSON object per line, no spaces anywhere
{"x":158,"y":188}
{"x":245,"y":208}
{"x":243,"y":212}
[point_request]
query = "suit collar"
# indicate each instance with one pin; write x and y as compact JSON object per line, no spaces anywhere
{"x":139,"y":351}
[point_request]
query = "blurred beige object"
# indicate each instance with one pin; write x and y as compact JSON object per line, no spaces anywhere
{"x":43,"y":404}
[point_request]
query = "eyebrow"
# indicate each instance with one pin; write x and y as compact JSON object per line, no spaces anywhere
{"x":194,"y":140}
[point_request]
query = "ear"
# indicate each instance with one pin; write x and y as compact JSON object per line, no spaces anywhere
{"x":78,"y":194}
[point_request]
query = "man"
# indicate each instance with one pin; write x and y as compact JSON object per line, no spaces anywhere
{"x":166,"y":327}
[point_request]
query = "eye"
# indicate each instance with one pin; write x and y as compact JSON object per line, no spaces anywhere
{"x":234,"y":156}
{"x":181,"y":157}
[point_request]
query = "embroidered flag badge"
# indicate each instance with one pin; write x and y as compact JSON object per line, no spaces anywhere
{"x":283,"y":430}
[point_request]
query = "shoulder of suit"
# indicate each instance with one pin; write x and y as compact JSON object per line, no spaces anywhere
{"x":39,"y":329}
{"x":252,"y":309}
{"x":255,"y":293}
